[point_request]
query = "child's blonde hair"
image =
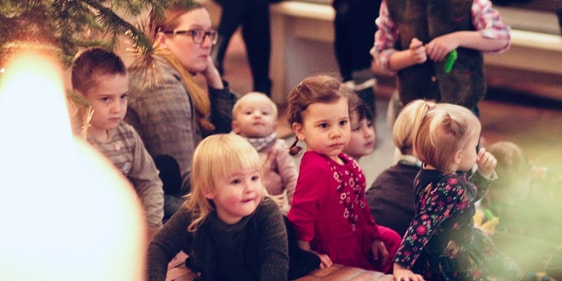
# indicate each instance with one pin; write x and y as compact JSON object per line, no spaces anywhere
{"x":243,"y":98}
{"x":217,"y":157}
{"x":402,"y":131}
{"x":441,"y":131}
{"x":319,"y":88}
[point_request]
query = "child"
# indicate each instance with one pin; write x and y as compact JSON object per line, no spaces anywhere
{"x":414,"y":38}
{"x":525,"y":196}
{"x":362,"y":140}
{"x":441,"y":242}
{"x":391,"y":196}
{"x":101,"y":78}
{"x":527,"y":205}
{"x":329,"y":211}
{"x":229,"y":229}
{"x":255,"y":118}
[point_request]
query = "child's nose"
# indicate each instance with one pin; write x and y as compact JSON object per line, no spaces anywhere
{"x":117,"y":106}
{"x":335,"y":133}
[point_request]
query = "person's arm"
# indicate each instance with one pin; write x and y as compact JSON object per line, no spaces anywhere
{"x":162,"y":116}
{"x":385,"y":38}
{"x":274,"y":255}
{"x":168,"y":242}
{"x":144,"y":177}
{"x":442,"y":203}
{"x":287,"y":169}
{"x":491,"y":35}
{"x":305,"y":209}
{"x":485,"y":173}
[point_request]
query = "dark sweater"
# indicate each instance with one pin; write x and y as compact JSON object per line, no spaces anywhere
{"x":391,"y":197}
{"x":260,"y":251}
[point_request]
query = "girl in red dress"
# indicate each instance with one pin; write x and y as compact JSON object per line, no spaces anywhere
{"x":329,"y":211}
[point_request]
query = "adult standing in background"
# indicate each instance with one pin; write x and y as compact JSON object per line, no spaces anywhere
{"x":354,"y":27}
{"x":253,"y":16}
{"x":166,"y":106}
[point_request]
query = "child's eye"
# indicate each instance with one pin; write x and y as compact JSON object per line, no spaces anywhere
{"x":105,"y":99}
{"x":255,"y":178}
{"x":235,"y":181}
{"x":343,"y":122}
{"x":124,"y":96}
{"x":356,"y":128}
{"x":323,"y":125}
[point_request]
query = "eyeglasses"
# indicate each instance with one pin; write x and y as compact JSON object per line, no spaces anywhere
{"x":197,"y":35}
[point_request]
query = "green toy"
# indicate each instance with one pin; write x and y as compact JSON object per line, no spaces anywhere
{"x":450,"y":61}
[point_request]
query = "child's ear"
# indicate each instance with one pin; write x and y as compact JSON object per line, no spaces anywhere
{"x":457,"y":157}
{"x":209,"y":195}
{"x":235,"y":127}
{"x":78,"y":92}
{"x":297,"y":129}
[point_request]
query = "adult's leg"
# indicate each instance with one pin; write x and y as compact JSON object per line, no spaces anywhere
{"x":171,"y":180}
{"x":362,"y":22}
{"x":232,"y":15}
{"x":257,"y":38}
{"x":342,"y":38}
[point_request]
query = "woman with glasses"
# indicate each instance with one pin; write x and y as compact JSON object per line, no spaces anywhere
{"x":170,"y":111}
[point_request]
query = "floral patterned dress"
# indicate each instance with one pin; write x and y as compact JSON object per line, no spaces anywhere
{"x":441,"y":242}
{"x":330,"y":211}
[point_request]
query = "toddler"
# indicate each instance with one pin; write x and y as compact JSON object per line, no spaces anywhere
{"x":228,"y":226}
{"x":441,"y":242}
{"x":391,"y":196}
{"x":254,"y":117}
{"x":101,"y":78}
{"x":363,"y":135}
{"x":329,"y":210}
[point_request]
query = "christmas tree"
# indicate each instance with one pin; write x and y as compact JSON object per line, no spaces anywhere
{"x":67,"y":26}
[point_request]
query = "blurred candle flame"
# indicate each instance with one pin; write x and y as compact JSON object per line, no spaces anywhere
{"x":66,"y":213}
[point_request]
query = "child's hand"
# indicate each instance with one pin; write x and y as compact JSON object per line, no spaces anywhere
{"x":440,"y":47}
{"x":380,"y":254}
{"x":403,"y":274}
{"x":325,"y":260}
{"x":486,"y":163}
{"x":417,"y":51}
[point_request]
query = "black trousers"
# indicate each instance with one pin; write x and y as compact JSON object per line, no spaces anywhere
{"x":253,"y":16}
{"x":355,"y":29}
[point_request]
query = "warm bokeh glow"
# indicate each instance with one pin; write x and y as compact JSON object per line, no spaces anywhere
{"x":66,"y":213}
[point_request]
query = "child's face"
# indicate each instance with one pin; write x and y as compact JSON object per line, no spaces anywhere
{"x":255,"y":117}
{"x":325,"y":128}
{"x":237,"y":195}
{"x":109,"y":100}
{"x":362,"y":141}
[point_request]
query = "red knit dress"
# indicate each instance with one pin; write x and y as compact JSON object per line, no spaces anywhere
{"x":330,"y":211}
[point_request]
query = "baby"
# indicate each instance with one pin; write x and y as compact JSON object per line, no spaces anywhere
{"x":254,"y":117}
